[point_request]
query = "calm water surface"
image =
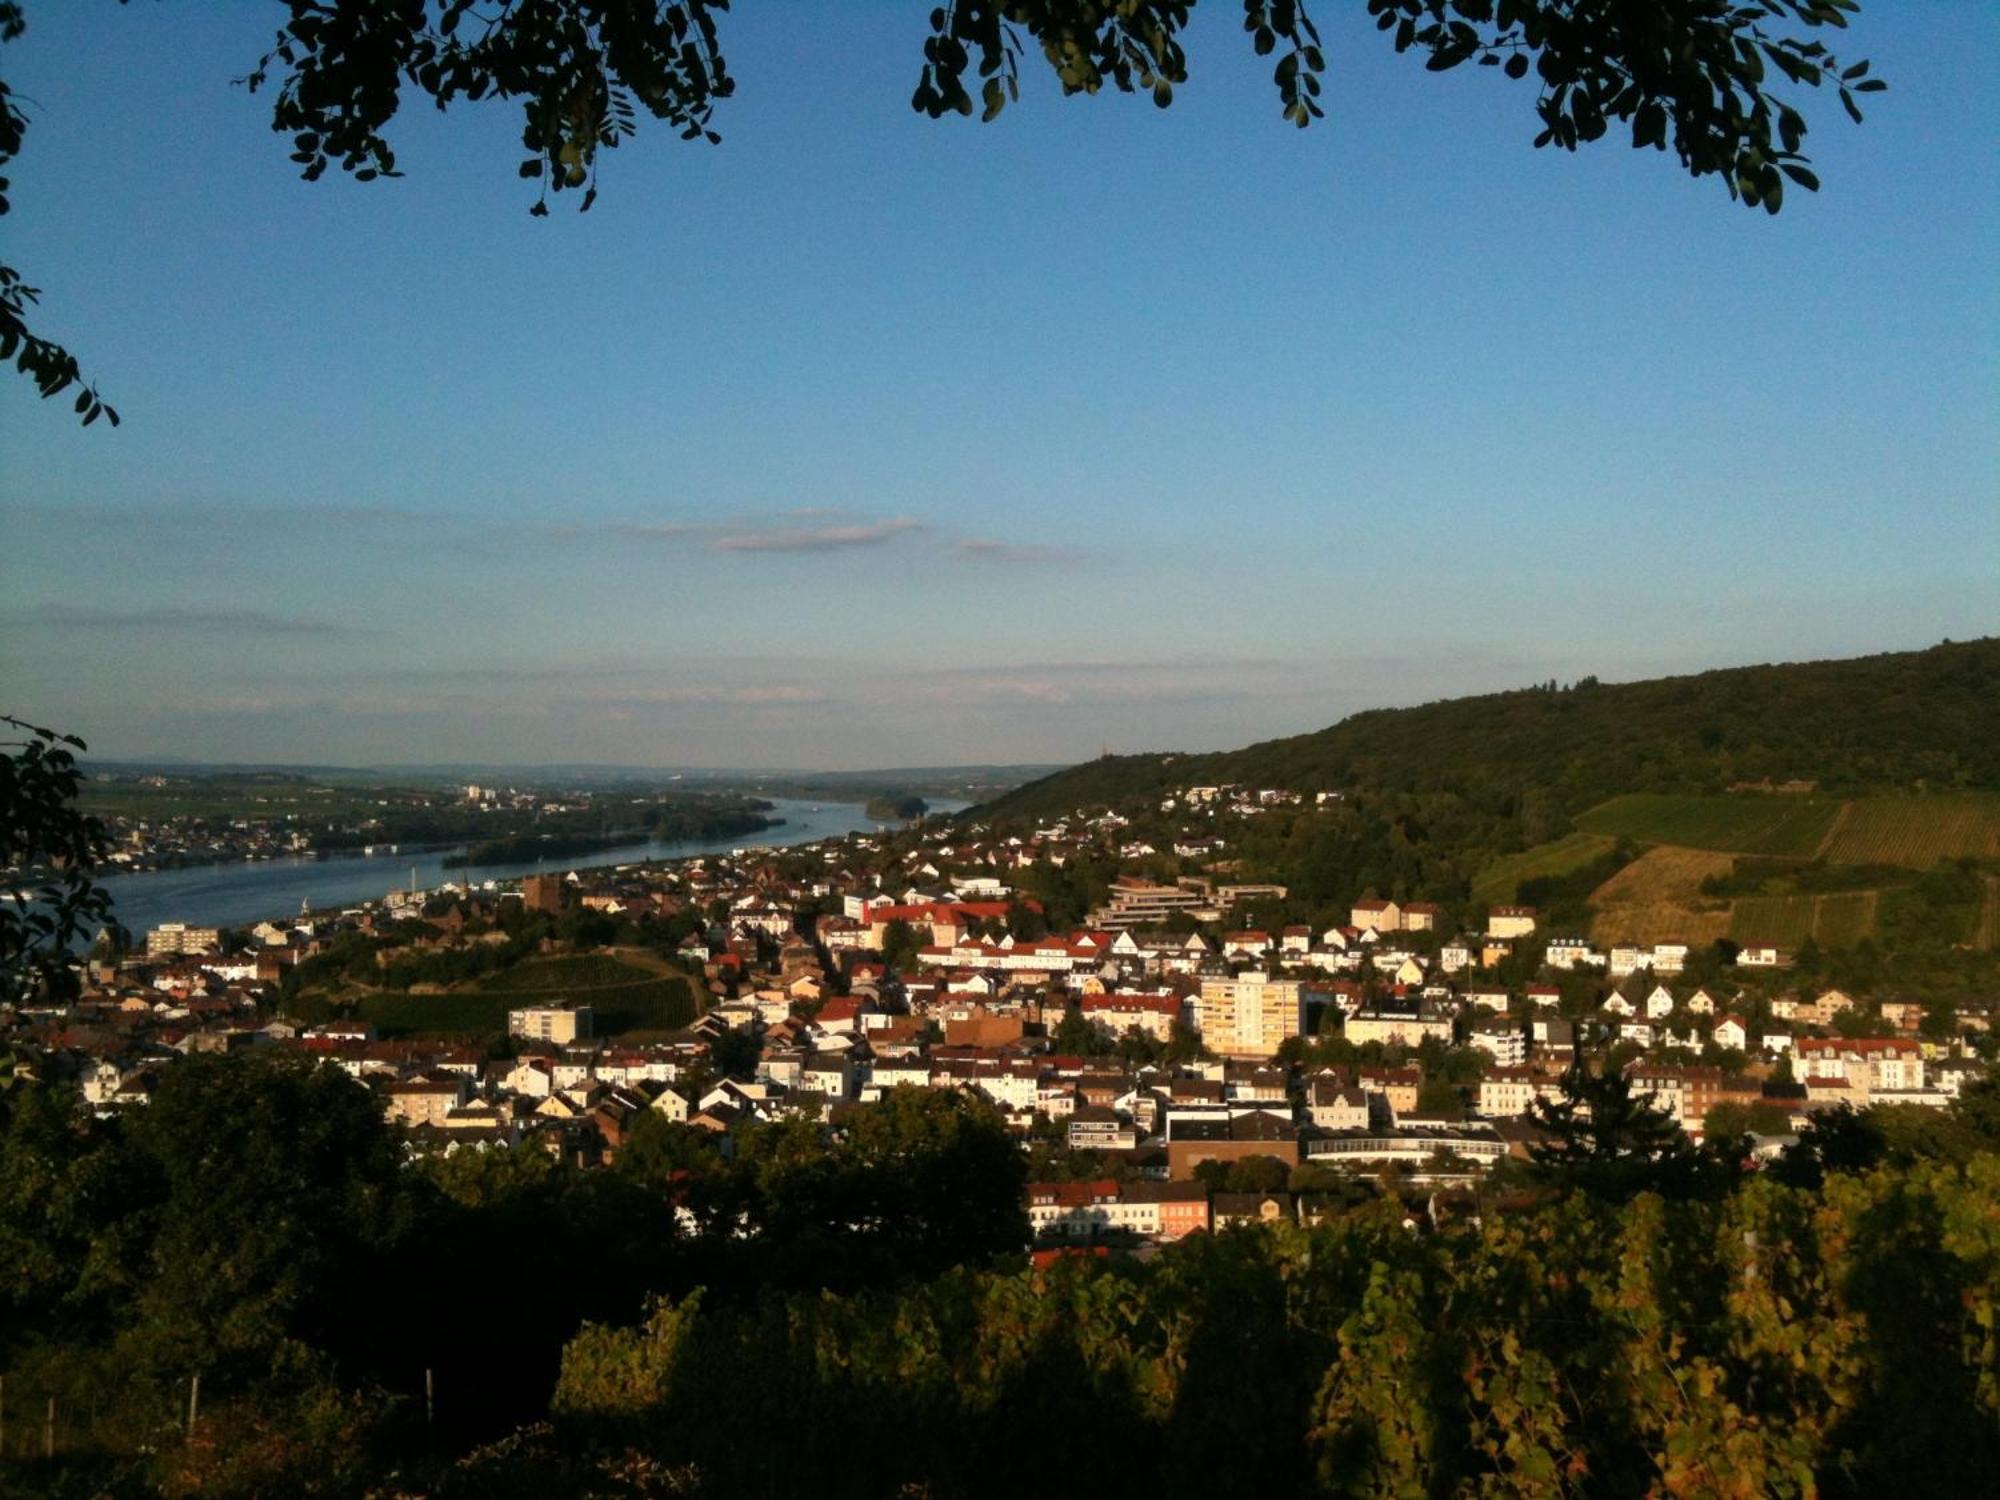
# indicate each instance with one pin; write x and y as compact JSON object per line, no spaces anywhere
{"x":234,"y":894}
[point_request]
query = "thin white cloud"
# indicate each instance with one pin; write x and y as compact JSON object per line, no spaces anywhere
{"x":989,"y":550}
{"x":802,"y":530}
{"x":240,"y":622}
{"x":827,"y":536}
{"x":755,"y":695}
{"x":654,"y":531}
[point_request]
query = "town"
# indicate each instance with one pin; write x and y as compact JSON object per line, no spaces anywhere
{"x":1170,"y":1063}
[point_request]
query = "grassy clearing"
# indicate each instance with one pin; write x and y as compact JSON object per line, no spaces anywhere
{"x":1501,"y":879}
{"x":1792,"y":826}
{"x":1917,"y":832}
{"x":1663,"y":874}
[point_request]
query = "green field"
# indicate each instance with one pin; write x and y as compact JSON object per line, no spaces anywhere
{"x":1917,"y":831}
{"x":222,"y":798}
{"x":1499,"y":880}
{"x":1736,"y":824}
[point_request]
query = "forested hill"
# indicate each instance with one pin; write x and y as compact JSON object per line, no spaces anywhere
{"x":1895,"y":720}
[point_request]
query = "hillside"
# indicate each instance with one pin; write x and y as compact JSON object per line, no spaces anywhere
{"x":1639,"y":811}
{"x":1895,"y":721}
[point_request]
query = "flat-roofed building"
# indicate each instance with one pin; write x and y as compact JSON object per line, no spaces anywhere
{"x":1258,"y":1133}
{"x":1142,"y":903}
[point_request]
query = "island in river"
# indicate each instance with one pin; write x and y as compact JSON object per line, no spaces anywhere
{"x":889,"y":807}
{"x":678,"y":821}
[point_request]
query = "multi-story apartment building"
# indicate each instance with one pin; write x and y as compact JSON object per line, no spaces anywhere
{"x":1250,"y":1014}
{"x":560,"y":1024}
{"x":1507,"y":1092}
{"x":1408,"y":1027}
{"x":1863,"y":1065}
{"x":426,"y":1100}
{"x":1117,"y":1013}
{"x":171,"y":938}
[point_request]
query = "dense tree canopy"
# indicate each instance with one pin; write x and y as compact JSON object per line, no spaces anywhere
{"x":1823,"y":1326}
{"x":1543,"y":753}
{"x":48,"y":847}
{"x":1713,"y":81}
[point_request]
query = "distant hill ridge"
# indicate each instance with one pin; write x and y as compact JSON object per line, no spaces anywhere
{"x":1926,"y":718}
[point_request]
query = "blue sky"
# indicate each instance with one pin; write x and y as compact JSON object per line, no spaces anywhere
{"x":863,"y":439}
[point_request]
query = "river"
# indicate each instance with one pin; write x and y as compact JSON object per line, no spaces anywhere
{"x":234,"y":894}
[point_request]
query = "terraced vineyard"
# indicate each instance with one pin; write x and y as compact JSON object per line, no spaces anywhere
{"x":1782,"y":920}
{"x":579,"y":972}
{"x":469,"y":1014}
{"x":624,"y":996}
{"x":651,"y":1005}
{"x":1916,"y":831}
{"x":1833,"y":920}
{"x":1847,"y":917}
{"x":1499,"y":880}
{"x":1736,"y":824}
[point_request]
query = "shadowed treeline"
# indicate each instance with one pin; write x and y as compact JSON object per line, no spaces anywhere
{"x":849,"y":1313}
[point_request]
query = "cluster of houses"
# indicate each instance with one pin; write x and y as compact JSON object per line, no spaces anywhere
{"x":1157,"y":1034}
{"x":173,"y":840}
{"x":139,"y":843}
